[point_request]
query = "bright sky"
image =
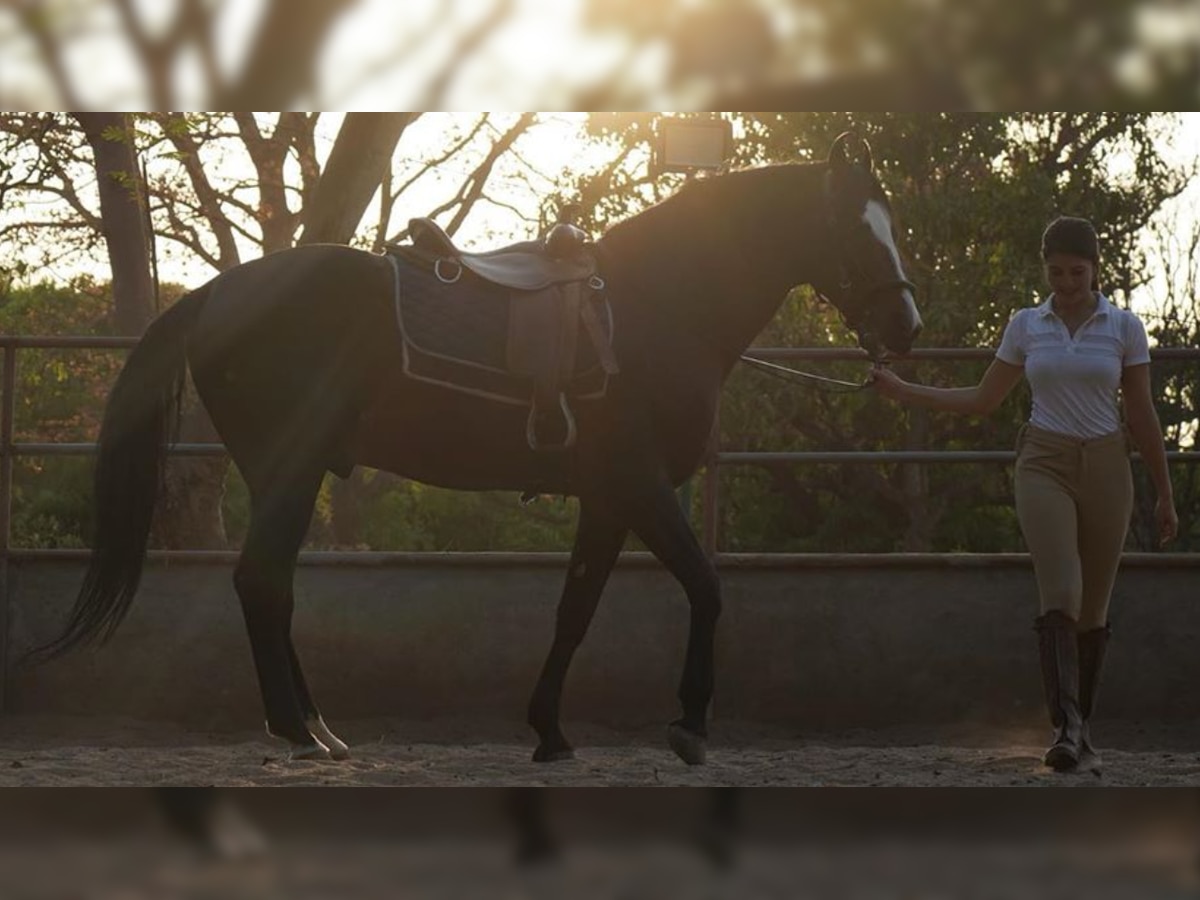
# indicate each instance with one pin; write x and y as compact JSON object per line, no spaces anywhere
{"x":384,"y":54}
{"x":380,"y":55}
{"x":1184,"y":210}
{"x":554,"y":147}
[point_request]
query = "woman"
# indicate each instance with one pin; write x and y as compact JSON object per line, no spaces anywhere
{"x":1074,"y":488}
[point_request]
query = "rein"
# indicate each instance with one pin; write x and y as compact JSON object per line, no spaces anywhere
{"x":821,"y":382}
{"x":829,"y":385}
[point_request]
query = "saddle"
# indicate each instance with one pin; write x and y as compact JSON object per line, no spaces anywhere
{"x":525,"y":324}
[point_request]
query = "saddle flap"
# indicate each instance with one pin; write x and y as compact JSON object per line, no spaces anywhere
{"x":528,"y":269}
{"x":543,"y":330}
{"x":515,"y":346}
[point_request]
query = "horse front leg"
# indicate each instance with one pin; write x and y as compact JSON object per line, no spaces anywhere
{"x":599,"y":538}
{"x":657,"y":518}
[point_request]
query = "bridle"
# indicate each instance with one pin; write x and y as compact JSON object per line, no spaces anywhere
{"x":855,"y":312}
{"x":855,"y":298}
{"x":855,"y":309}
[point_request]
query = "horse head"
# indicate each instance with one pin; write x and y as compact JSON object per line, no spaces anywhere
{"x":865,"y":280}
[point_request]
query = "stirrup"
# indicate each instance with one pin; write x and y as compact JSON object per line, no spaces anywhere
{"x":531,"y":437}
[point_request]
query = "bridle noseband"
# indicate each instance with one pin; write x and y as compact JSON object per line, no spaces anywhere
{"x":857,"y":306}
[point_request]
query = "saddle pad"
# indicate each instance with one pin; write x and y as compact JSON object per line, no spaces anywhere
{"x":456,"y":335}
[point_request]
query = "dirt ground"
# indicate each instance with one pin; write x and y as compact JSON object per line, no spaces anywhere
{"x":1023,"y":845}
{"x":82,"y":752}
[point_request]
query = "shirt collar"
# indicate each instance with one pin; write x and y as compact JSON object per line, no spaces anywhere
{"x":1102,"y":306}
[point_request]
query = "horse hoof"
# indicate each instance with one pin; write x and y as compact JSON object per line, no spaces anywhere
{"x":315,"y":750}
{"x":544,"y":755}
{"x":688,"y":746}
{"x":320,"y":731}
{"x":1089,"y":761}
{"x":336,"y":746}
{"x":1061,"y":759}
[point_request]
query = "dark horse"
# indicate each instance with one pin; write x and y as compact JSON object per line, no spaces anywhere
{"x":295,"y":356}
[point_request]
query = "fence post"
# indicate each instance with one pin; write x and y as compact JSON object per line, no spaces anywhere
{"x":711,"y":513}
{"x":8,"y":393}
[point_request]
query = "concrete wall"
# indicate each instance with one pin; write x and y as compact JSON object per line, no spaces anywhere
{"x":811,"y":644}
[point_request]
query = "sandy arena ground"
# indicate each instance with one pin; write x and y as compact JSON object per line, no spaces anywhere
{"x":79,"y":752}
{"x":626,"y":844}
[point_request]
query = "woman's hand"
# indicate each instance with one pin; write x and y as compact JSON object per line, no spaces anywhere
{"x":1167,"y":520}
{"x":888,"y":383}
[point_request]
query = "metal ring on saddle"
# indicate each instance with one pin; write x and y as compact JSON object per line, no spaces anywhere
{"x":596,"y":283}
{"x":437,"y":270}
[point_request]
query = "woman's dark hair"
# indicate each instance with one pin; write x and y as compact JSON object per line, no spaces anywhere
{"x":1074,"y":237}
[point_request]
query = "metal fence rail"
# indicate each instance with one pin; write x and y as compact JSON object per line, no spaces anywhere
{"x":715,"y":459}
{"x":10,"y":450}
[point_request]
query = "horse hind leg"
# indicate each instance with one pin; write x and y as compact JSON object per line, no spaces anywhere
{"x":598,"y":542}
{"x":279,"y":519}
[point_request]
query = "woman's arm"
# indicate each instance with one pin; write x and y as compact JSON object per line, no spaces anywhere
{"x":1146,"y":430}
{"x":982,"y":399}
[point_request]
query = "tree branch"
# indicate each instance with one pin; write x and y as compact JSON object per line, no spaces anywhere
{"x":32,"y":14}
{"x":360,"y":156}
{"x":175,"y":126}
{"x":474,"y":185}
{"x":283,"y":57}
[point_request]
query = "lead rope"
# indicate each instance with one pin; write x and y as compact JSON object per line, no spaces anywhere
{"x":829,"y":385}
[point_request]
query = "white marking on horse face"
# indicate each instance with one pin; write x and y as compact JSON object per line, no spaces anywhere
{"x":877,"y":218}
{"x":880,"y":222}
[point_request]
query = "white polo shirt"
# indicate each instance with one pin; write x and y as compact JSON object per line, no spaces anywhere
{"x":1075,"y":380}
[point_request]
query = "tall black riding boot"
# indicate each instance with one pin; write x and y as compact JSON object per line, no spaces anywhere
{"x":1092,"y":645}
{"x":1060,"y":676}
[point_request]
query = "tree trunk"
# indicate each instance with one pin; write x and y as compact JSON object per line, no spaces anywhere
{"x":282,"y":61}
{"x":189,"y":510}
{"x":189,"y":515}
{"x":123,"y":213}
{"x":360,"y":158}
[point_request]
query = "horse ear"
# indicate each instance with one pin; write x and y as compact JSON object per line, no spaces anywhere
{"x":837,"y":153}
{"x":868,"y":160}
{"x":848,"y":144}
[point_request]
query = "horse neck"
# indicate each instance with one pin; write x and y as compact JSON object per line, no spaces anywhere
{"x":707,"y":276}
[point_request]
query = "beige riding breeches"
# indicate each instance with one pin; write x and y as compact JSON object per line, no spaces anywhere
{"x":1074,"y":499}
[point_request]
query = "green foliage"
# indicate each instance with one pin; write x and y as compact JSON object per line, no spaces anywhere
{"x":412,"y":516}
{"x":59,"y":398}
{"x":51,"y":502}
{"x":971,"y":193}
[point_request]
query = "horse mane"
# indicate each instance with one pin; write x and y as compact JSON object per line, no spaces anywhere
{"x":727,"y":186}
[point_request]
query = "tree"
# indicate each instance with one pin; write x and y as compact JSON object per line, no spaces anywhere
{"x":123,"y":217}
{"x":361,"y":157}
{"x":971,"y":196}
{"x":224,"y":185}
{"x":1176,"y":384}
{"x":278,"y":69}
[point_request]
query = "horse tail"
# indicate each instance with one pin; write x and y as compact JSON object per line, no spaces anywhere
{"x":140,"y":419}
